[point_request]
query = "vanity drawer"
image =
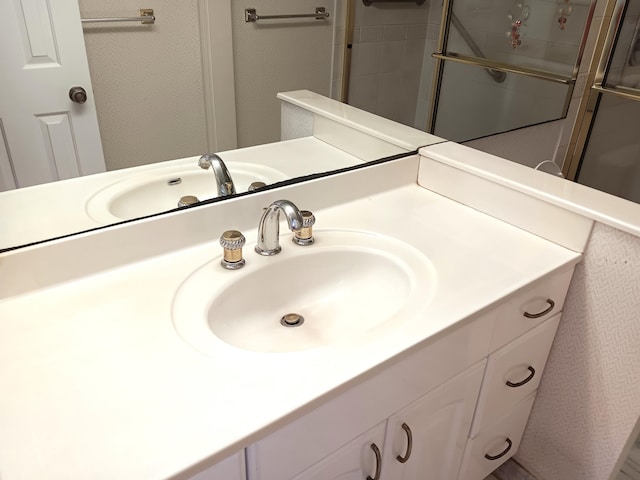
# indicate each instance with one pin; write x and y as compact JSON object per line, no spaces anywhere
{"x":494,"y":446}
{"x":513,"y":372}
{"x":530,"y":308}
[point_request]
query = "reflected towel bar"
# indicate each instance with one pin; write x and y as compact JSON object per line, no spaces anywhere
{"x":250,"y":15}
{"x":146,"y":18}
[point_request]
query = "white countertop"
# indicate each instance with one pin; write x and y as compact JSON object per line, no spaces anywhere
{"x":395,"y":133}
{"x":586,"y":201}
{"x":98,"y":384}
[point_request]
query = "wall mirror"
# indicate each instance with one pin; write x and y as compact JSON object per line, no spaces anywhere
{"x":202,"y":78}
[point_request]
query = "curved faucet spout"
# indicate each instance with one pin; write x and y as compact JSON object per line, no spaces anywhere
{"x":269,"y":226}
{"x":224,"y":183}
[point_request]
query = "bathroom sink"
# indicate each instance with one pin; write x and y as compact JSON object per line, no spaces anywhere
{"x":161,"y":188}
{"x":346,"y":288}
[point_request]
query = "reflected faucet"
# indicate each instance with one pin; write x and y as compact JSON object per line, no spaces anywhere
{"x":269,"y":226}
{"x":224,"y":183}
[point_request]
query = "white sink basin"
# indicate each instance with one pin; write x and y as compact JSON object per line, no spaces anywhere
{"x":159,"y":189}
{"x":348,"y":286}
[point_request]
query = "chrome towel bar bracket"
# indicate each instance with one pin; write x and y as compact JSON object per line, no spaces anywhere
{"x":250,"y":15}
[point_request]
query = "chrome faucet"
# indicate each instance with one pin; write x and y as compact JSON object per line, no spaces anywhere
{"x":223,"y":178}
{"x":269,"y":226}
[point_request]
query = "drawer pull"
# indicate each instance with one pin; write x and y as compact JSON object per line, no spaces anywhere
{"x":525,"y":381}
{"x":501,"y":454}
{"x":376,"y":450}
{"x":407,"y":454}
{"x":542,"y":313}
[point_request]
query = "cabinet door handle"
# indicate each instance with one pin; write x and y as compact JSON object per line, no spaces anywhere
{"x":502,"y":453}
{"x":407,"y":454}
{"x":526,"y":380}
{"x":376,"y":451}
{"x":542,"y":313}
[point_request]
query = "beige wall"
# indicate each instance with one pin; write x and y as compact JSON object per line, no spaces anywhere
{"x":589,"y":399}
{"x":147,"y":81}
{"x":275,"y":56}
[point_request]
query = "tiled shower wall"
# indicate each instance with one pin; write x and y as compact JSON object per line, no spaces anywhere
{"x":468,"y":92}
{"x":391,"y":66}
{"x":510,"y":145}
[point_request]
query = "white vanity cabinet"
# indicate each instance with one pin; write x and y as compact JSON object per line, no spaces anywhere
{"x":457,"y":408}
{"x":437,"y":424}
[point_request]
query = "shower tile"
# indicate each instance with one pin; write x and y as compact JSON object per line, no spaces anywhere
{"x":433,"y":32}
{"x":371,"y":34}
{"x":435,"y":13}
{"x":561,"y":53}
{"x":392,"y":57}
{"x":363,"y":90}
{"x":416,"y":32}
{"x":413,"y":55}
{"x":374,"y":15}
{"x":388,"y":98}
{"x":395,"y":33}
{"x":356,"y":35}
{"x":366,"y":58}
{"x":407,"y":14}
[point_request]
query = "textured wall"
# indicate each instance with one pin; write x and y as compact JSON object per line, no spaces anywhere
{"x":276,"y":56}
{"x":147,"y":81}
{"x":589,"y":398}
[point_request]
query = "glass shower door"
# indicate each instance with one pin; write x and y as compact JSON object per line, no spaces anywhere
{"x":506,"y":64}
{"x":610,"y":161}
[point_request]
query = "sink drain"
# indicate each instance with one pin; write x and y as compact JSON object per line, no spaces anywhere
{"x":292,"y":320}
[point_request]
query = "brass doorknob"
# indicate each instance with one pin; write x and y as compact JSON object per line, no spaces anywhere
{"x":78,"y":94}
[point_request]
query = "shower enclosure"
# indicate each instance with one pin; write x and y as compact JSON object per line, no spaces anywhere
{"x":464,"y":69}
{"x":606,"y":153}
{"x":506,"y":64}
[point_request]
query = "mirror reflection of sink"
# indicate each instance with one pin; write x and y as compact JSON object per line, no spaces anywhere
{"x":346,"y":288}
{"x":160,"y":189}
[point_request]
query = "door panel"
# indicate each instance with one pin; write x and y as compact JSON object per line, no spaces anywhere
{"x":46,"y":137}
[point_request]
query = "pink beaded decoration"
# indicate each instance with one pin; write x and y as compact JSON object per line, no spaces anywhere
{"x":517,"y":15}
{"x":515,"y":34}
{"x":564,"y":12}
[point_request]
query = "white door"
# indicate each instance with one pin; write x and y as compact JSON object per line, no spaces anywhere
{"x":44,"y":136}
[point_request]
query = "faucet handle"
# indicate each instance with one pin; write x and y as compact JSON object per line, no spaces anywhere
{"x":232,"y":242}
{"x":304,"y":236}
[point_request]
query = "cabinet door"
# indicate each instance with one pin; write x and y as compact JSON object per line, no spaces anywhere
{"x":356,"y":460}
{"x":427,"y":438}
{"x":232,"y":468}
